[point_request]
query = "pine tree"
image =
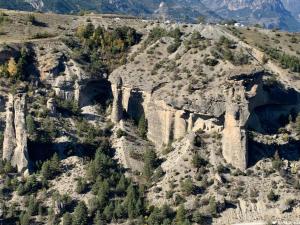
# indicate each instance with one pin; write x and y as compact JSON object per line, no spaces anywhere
{"x":142,"y":126}
{"x":108,"y":211}
{"x":30,"y":124}
{"x":98,"y":219}
{"x":51,"y":167}
{"x":67,"y":219}
{"x":119,"y":211}
{"x":188,"y":186}
{"x":32,"y":208}
{"x":130,"y":201}
{"x":25,"y":219}
{"x":122,"y":185}
{"x":213,"y":206}
{"x":180,"y":215}
{"x":198,"y":161}
{"x":150,"y":161}
{"x":81,"y":185}
{"x":80,"y":216}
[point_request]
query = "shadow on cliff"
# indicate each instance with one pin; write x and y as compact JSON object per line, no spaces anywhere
{"x":259,"y":151}
{"x":96,"y":92}
{"x":280,"y":108}
{"x":135,"y":106}
{"x":39,"y":152}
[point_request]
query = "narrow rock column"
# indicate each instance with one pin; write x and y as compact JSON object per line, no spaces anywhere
{"x":117,"y":108}
{"x":20,"y":158}
{"x":15,"y":136}
{"x":235,"y":142}
{"x":9,"y":142}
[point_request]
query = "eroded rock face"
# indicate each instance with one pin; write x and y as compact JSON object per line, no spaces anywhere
{"x":117,"y":109}
{"x":244,"y":93}
{"x":250,"y":103}
{"x":235,"y":141}
{"x":165,"y":123}
{"x":15,"y":134}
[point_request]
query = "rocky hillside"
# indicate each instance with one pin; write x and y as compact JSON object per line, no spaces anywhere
{"x":115,"y":120}
{"x":282,"y":14}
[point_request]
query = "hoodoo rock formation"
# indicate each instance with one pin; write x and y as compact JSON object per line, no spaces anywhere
{"x":15,"y":134}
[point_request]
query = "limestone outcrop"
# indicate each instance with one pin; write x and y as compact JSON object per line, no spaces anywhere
{"x":245,"y":93}
{"x":235,"y":141}
{"x":117,"y":110}
{"x":165,"y":122}
{"x":15,"y":134}
{"x":250,"y":103}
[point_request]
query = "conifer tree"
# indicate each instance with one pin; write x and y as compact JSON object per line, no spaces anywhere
{"x":80,"y":216}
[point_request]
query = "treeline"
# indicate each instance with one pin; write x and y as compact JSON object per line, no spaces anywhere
{"x":287,"y":61}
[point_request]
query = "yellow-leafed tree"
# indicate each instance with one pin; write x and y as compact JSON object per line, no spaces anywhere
{"x":12,"y":67}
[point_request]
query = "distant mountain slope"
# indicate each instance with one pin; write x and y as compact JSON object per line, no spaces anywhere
{"x":271,"y":13}
{"x":293,"y":6}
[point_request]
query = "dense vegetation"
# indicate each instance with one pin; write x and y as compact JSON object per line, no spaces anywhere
{"x":158,"y":33}
{"x":19,"y":68}
{"x":287,"y":61}
{"x":225,"y":49}
{"x":101,"y":50}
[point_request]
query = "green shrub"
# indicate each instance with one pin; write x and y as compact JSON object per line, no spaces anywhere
{"x":121,"y":133}
{"x":81,"y":186}
{"x":188,"y":187}
{"x":213,"y":207}
{"x":67,"y":219}
{"x":30,"y":186}
{"x":42,"y":35}
{"x":24,"y":218}
{"x":287,"y":61}
{"x":173,"y":47}
{"x":51,"y":168}
{"x":210,"y":62}
{"x":272,"y":196}
{"x":198,"y":161}
{"x":136,"y":155}
{"x":31,"y":18}
{"x":198,"y":218}
{"x":297,"y":123}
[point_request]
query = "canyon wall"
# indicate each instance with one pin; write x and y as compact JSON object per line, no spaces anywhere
{"x":244,"y":94}
{"x":165,"y":123}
